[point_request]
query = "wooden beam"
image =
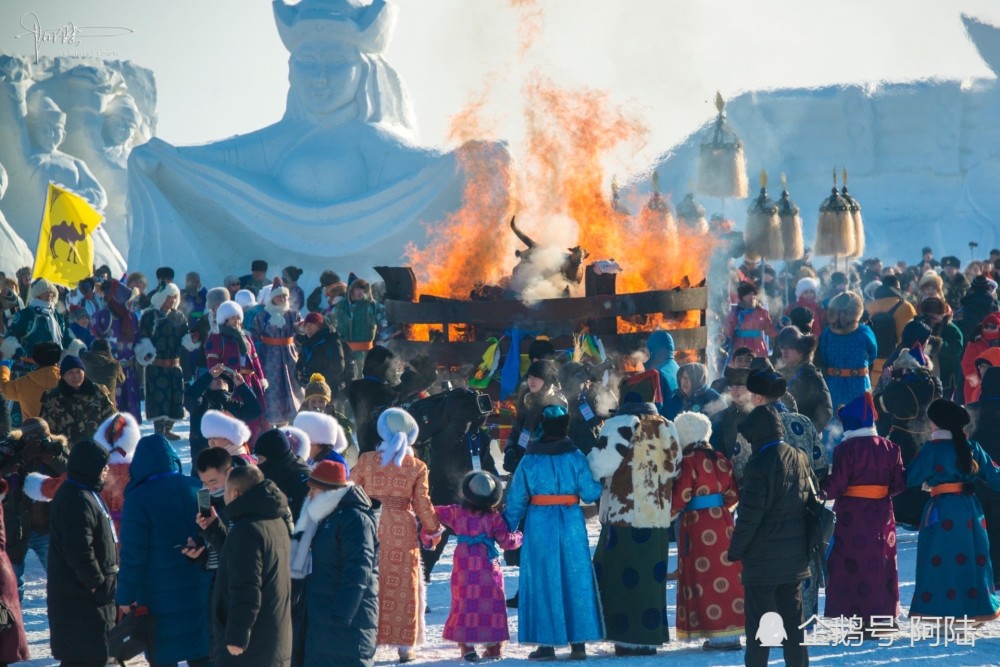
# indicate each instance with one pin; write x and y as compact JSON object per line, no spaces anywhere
{"x":457,"y":354}
{"x":572,"y":310}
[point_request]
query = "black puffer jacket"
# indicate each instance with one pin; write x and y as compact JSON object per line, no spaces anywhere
{"x":290,"y":474}
{"x":342,"y":589}
{"x":251,"y":602}
{"x":83,"y":562}
{"x":770,"y":535}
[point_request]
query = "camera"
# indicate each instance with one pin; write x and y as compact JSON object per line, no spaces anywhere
{"x":11,"y":448}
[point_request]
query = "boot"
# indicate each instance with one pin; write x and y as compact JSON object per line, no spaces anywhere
{"x":543,"y":653}
{"x":468,"y":652}
{"x":407,"y":654}
{"x":167,"y":433}
{"x":493,"y":652}
{"x":578,"y":651}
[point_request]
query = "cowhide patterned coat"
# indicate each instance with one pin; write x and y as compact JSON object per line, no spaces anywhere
{"x":637,"y":458}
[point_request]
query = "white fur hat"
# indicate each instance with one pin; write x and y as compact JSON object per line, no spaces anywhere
{"x":322,"y":429}
{"x":119,"y":434}
{"x":215,"y":424}
{"x":692,"y":427}
{"x":264,"y":297}
{"x":299,"y":440}
{"x":398,"y":430}
{"x":75,"y":347}
{"x":226,"y":310}
{"x":244,"y":298}
{"x":160,"y":295}
{"x":40,"y":287}
{"x":805,"y":285}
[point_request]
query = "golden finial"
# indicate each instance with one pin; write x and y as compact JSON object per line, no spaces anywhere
{"x":720,"y":103}
{"x":656,"y":181}
{"x":844,"y":176}
{"x":835,"y":177}
{"x":784,"y":181}
{"x":763,"y":178}
{"x":691,"y":185}
{"x":614,"y":185}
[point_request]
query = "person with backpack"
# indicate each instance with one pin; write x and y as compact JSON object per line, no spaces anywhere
{"x":887,"y":315}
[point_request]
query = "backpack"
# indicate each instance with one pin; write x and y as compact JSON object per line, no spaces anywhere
{"x":883,"y":325}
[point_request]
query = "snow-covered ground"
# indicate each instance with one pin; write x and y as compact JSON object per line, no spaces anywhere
{"x":985,"y":651}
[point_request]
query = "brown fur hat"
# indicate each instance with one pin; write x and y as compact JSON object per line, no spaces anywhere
{"x":844,"y":312}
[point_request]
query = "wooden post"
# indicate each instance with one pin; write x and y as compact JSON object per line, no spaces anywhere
{"x":601,"y":284}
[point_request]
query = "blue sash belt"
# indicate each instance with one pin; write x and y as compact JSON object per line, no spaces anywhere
{"x":481,"y":538}
{"x":704,"y":502}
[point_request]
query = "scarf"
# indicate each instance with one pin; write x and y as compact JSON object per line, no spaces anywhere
{"x":941,"y":434}
{"x":863,"y":432}
{"x":47,"y":311}
{"x":314,"y":511}
{"x":395,"y":450}
{"x":238,"y":336}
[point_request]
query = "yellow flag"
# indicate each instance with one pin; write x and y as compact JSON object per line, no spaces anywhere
{"x":65,"y":253}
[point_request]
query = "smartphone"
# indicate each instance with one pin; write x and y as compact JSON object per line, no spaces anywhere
{"x":204,"y":503}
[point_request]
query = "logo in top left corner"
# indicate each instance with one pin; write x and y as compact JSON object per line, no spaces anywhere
{"x":67,"y":34}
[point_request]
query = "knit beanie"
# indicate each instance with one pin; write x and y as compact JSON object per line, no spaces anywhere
{"x":272,"y":444}
{"x":318,"y":387}
{"x":69,"y":363}
{"x":86,"y":461}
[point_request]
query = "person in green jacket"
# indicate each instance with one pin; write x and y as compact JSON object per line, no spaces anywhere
{"x":358,"y":318}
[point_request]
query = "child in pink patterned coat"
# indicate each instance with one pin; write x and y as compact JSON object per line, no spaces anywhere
{"x":478,"y":605}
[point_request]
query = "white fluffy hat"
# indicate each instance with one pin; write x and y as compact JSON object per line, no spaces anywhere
{"x":692,"y":427}
{"x":160,"y":295}
{"x":322,"y":430}
{"x":398,"y":430}
{"x":244,"y":298}
{"x":805,"y":285}
{"x":228,"y":309}
{"x":299,"y":440}
{"x":40,"y":287}
{"x":119,"y":434}
{"x":215,"y":424}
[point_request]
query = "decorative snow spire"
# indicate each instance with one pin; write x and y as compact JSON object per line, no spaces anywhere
{"x":616,"y":203}
{"x":859,"y":224}
{"x":762,"y":238}
{"x":835,"y":231}
{"x":691,"y":213}
{"x":791,"y":224}
{"x":656,"y":201}
{"x":722,"y":166}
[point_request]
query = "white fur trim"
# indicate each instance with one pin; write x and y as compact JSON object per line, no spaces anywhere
{"x":215,"y":424}
{"x":299,"y":441}
{"x":9,"y":347}
{"x":160,"y":296}
{"x":145,"y":352}
{"x":244,"y":298}
{"x":189,"y":343}
{"x":227,"y":310}
{"x":805,"y":285}
{"x":321,"y":429}
{"x":39,"y":488}
{"x":129,"y":438}
{"x":692,"y":427}
{"x":40,"y":287}
{"x":76,"y":346}
{"x":264,"y":384}
{"x":263,"y":297}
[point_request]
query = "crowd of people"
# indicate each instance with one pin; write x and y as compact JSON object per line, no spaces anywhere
{"x":306,"y":529}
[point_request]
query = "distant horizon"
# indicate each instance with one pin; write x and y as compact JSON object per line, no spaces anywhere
{"x":218,"y":76}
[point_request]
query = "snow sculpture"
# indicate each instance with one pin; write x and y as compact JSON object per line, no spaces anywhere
{"x":14,"y":252}
{"x":337,"y":182}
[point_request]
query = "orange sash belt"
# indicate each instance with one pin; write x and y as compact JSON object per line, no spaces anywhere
{"x":555,"y":499}
{"x":363,"y":346}
{"x":869,"y":491}
{"x":396,"y":503}
{"x":277,"y":341}
{"x":951,"y":487}
{"x":847,"y":372}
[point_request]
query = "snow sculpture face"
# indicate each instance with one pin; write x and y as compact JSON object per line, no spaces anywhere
{"x":48,"y":132}
{"x":119,"y":128}
{"x":325,"y":76}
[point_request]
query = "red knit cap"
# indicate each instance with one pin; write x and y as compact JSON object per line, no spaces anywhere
{"x":328,"y":475}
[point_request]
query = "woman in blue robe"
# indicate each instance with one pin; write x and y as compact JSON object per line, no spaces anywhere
{"x":558,"y":592}
{"x":954,"y":573}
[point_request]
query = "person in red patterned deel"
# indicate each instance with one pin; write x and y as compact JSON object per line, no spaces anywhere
{"x":704,"y":496}
{"x":748,"y":324}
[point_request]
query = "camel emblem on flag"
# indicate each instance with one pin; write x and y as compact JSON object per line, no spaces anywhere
{"x":66,"y":232}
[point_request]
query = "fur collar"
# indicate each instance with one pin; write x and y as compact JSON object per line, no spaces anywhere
{"x":322,"y":506}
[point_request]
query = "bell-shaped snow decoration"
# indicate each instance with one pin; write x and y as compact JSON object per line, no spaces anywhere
{"x":859,"y":224}
{"x":835,"y":232}
{"x":691,"y":215}
{"x":616,"y":201}
{"x":656,"y":201}
{"x":722,"y":166}
{"x":762,"y":237}
{"x":791,"y":224}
